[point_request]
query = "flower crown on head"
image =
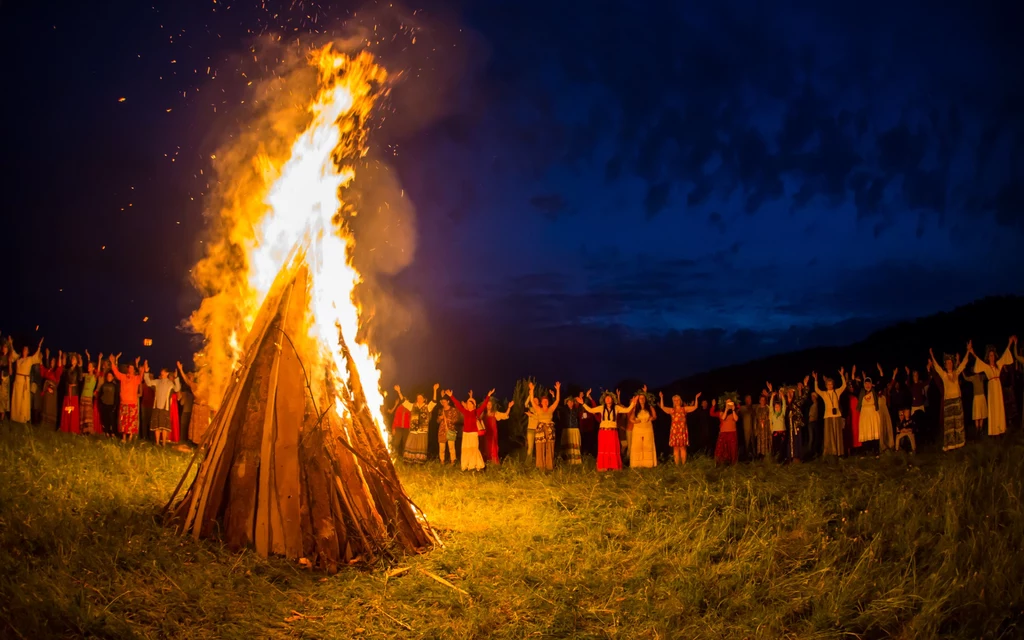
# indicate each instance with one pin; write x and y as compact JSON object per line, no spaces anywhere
{"x":730,"y":396}
{"x":648,"y":395}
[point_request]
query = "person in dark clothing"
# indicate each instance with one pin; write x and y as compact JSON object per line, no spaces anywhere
{"x":108,"y":405}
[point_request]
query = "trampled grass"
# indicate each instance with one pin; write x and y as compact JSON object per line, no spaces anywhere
{"x":893,"y":547}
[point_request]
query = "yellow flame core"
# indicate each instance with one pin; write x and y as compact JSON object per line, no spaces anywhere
{"x":301,"y":209}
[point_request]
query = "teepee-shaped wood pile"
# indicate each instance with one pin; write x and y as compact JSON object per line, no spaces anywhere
{"x":282,"y":471}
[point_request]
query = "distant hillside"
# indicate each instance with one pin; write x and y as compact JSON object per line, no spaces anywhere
{"x":988,"y":321}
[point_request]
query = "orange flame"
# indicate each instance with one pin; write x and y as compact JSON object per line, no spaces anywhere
{"x":287,"y":202}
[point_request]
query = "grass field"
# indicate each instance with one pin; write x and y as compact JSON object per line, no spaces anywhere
{"x":870,"y":548}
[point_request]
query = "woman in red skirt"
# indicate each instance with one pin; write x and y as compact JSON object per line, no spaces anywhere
{"x":679,"y":436}
{"x":608,"y":452}
{"x":726,"y":450}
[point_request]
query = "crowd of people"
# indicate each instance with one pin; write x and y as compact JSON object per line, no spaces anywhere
{"x":102,"y":397}
{"x":818,"y":417}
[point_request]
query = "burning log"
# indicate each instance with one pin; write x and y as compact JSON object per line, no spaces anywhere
{"x":282,"y":470}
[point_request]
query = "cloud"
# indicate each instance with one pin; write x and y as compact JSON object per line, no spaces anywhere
{"x":551,"y":205}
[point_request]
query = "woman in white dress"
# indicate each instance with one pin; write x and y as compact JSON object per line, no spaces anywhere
{"x":642,"y":453}
{"x":992,"y":367}
{"x":870,"y":416}
{"x":953,"y":436}
{"x":21,"y":396}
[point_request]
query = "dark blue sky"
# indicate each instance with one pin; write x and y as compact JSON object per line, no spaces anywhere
{"x":599,"y":190}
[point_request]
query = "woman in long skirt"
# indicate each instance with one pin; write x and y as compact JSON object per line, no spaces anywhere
{"x":571,"y":440}
{"x":21,"y":393}
{"x":642,"y":452}
{"x":51,"y":378}
{"x":6,"y":370}
{"x":609,"y":452}
{"x":472,"y":423}
{"x":69,"y":415}
{"x":833,"y":418}
{"x":853,"y":433}
{"x":952,"y":409}
{"x":727,"y":446}
{"x":86,"y":411}
{"x":419,"y":425}
{"x":993,"y":368}
{"x":870,"y":429}
{"x":491,"y":420}
{"x":679,"y":435}
{"x":545,"y":439}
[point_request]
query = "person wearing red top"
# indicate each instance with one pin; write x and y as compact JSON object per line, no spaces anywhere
{"x":726,"y":450}
{"x":51,"y":378}
{"x":128,"y":421}
{"x":471,"y":428}
{"x":399,"y":428}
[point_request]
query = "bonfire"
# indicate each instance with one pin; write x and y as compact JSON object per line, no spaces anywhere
{"x":295,"y":462}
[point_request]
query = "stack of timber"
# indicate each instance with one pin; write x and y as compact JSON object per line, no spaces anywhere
{"x":281,"y":471}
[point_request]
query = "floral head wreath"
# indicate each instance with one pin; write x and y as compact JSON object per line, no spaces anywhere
{"x":991,"y":349}
{"x":604,"y":393}
{"x":730,"y":396}
{"x":648,"y":395}
{"x":948,"y":356}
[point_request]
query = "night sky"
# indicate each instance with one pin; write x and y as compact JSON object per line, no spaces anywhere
{"x":599,"y":190}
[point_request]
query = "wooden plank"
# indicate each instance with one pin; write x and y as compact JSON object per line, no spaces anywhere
{"x":290,"y":406}
{"x":266,"y":468}
{"x":240,"y":510}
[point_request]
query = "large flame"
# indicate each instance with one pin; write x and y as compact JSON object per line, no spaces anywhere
{"x":289,"y":206}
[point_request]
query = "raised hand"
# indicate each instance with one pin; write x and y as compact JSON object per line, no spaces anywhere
{"x":661,"y":396}
{"x":814,"y":374}
{"x":530,"y":385}
{"x":698,"y":395}
{"x":645,"y":388}
{"x":490,"y":393}
{"x":398,"y":389}
{"x":769,"y":385}
{"x":437,"y":385}
{"x":511,"y":403}
{"x":558,"y":385}
{"x":448,"y":392}
{"x":714,"y":402}
{"x":588,"y":392}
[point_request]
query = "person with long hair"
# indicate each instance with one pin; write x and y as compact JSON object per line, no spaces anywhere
{"x":642,"y":451}
{"x":51,"y":375}
{"x":447,"y":429}
{"x":491,"y":419}
{"x":609,"y":452}
{"x":952,"y":409}
{"x":979,"y":406}
{"x":419,"y":425}
{"x":870,"y":412}
{"x":679,"y":435}
{"x":763,"y":426}
{"x":70,"y":420}
{"x":833,"y":441}
{"x":778,"y":422}
{"x":796,"y":400}
{"x":571,"y":431}
{"x":490,"y":434}
{"x":160,"y":416}
{"x":726,"y":445}
{"x":7,"y":359}
{"x":86,"y":406}
{"x":472,"y":425}
{"x":21,"y":393}
{"x":993,"y":368}
{"x":853,"y":433}
{"x":545,"y":439}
